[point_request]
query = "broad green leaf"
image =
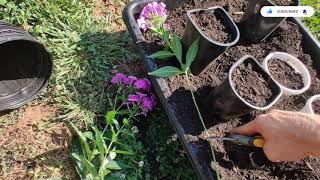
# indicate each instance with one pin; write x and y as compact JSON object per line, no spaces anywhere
{"x":89,"y":166}
{"x":166,"y":37}
{"x":165,"y":72}
{"x":100,"y":143}
{"x":110,"y":116}
{"x":122,"y":152}
{"x":162,"y":55}
{"x":177,"y":47}
{"x":116,"y":165}
{"x":192,"y":53}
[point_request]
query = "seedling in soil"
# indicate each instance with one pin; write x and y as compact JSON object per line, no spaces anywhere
{"x":170,"y":71}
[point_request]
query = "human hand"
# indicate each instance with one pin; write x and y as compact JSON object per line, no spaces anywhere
{"x":289,"y":136}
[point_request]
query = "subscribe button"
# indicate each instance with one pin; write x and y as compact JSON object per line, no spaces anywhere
{"x":287,"y":11}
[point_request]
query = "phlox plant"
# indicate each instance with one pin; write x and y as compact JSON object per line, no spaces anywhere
{"x":96,"y":150}
{"x":153,"y":17}
{"x":174,"y":49}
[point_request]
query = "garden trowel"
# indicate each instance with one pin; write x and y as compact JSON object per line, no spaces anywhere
{"x":256,"y":141}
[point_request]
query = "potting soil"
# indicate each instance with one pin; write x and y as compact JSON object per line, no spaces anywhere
{"x":283,"y":2}
{"x":234,"y":161}
{"x":212,"y":26}
{"x":316,"y":106}
{"x":251,"y":86}
{"x":284,"y":74}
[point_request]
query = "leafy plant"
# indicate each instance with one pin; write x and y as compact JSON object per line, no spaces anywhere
{"x":170,"y":71}
{"x":95,"y":150}
{"x":176,"y":48}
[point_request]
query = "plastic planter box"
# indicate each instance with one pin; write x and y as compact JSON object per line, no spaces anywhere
{"x":310,"y":44}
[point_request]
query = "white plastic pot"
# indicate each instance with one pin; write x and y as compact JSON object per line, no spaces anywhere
{"x":296,"y":64}
{"x":308,"y":107}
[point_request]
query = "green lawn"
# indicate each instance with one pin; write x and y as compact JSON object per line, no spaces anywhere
{"x":88,"y":42}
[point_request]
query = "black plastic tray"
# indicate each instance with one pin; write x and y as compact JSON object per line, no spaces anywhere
{"x":310,"y":44}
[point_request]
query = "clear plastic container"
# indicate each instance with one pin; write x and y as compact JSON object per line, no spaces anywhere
{"x":295,"y":64}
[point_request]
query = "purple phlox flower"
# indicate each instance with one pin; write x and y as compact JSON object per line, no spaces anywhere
{"x":145,"y":102}
{"x":129,"y":80}
{"x":153,"y":15}
{"x":148,"y":103}
{"x":137,"y":98}
{"x":142,"y":84}
{"x":118,"y":78}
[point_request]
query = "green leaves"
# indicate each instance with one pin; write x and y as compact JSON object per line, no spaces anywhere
{"x":170,"y":71}
{"x":162,"y":55}
{"x":177,"y":48}
{"x":167,"y":71}
{"x":192,"y":53}
{"x":116,"y":165}
{"x":110,"y":117}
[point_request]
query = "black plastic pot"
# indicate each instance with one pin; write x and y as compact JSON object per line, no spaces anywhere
{"x":225,"y":102}
{"x":255,"y":27}
{"x":25,"y":69}
{"x":209,"y":49}
{"x":198,"y":154}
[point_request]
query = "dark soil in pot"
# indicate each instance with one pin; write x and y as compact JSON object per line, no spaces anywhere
{"x":316,"y":106}
{"x":284,"y":74}
{"x":251,"y":85}
{"x":212,"y":26}
{"x":283,"y":2}
{"x":234,"y":161}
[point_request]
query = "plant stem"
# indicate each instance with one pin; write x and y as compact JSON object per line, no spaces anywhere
{"x":202,"y":122}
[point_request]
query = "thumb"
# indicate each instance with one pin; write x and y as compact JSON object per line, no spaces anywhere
{"x":247,"y":129}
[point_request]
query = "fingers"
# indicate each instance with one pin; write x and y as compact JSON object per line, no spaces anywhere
{"x":247,"y":129}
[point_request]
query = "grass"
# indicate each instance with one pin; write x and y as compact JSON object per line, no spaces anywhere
{"x":87,"y":38}
{"x":313,"y":22}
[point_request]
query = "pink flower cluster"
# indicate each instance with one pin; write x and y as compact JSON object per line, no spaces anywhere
{"x":141,"y":96}
{"x":153,"y":16}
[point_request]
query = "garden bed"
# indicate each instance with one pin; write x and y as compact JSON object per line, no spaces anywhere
{"x":234,"y":161}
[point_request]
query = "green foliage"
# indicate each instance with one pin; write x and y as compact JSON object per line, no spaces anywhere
{"x":83,"y":49}
{"x":162,"y":55}
{"x":167,"y":71}
{"x":176,"y":48}
{"x":313,"y":22}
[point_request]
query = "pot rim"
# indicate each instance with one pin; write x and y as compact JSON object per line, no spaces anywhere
{"x":212,"y":9}
{"x":277,"y":97}
{"x":308,"y":107}
{"x":296,"y":64}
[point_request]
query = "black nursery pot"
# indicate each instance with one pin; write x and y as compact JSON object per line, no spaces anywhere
{"x":25,"y":69}
{"x":255,"y":27}
{"x":209,"y":49}
{"x":225,"y":102}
